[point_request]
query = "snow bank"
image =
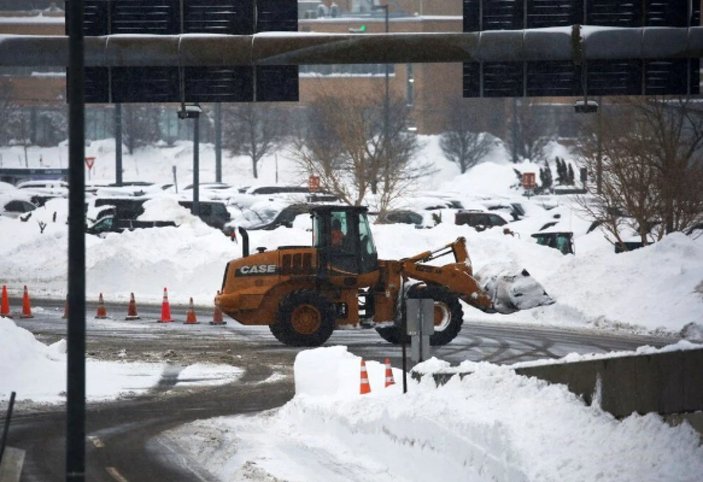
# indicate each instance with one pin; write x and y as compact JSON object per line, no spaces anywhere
{"x":492,"y":425}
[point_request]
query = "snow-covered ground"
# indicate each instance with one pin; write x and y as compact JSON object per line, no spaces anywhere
{"x":494,"y":425}
{"x":37,"y":372}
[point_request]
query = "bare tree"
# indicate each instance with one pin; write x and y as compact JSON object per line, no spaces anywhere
{"x":7,"y":108}
{"x":649,"y":150}
{"x":397,"y":173}
{"x":345,"y":144}
{"x":460,"y":142}
{"x":140,"y":126}
{"x":526,"y":137}
{"x":254,"y":130}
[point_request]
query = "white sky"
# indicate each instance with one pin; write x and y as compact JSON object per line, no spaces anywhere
{"x":493,"y":425}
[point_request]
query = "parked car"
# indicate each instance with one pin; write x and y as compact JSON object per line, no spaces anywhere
{"x":53,"y":187}
{"x":625,"y":246}
{"x":560,"y":240}
{"x":42,"y":191}
{"x":513,"y":209}
{"x":14,"y":207}
{"x":284,"y":218}
{"x":479,"y":220}
{"x":111,"y":224}
{"x":124,"y":207}
{"x":420,"y":219}
{"x":212,"y":213}
{"x":302,"y":193}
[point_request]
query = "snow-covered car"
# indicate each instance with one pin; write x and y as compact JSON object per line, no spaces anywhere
{"x":110,"y":224}
{"x":214,"y":191}
{"x":15,"y":207}
{"x":479,"y":220}
{"x":42,"y":190}
{"x":420,"y":219}
{"x":559,"y":240}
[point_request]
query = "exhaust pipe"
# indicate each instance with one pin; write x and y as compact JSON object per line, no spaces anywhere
{"x":245,"y":241}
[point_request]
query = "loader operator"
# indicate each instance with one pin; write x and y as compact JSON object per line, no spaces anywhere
{"x":337,"y":235}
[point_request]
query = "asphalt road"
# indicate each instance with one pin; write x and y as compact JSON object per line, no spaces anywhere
{"x":122,"y":435}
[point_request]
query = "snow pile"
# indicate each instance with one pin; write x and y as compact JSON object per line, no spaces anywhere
{"x":647,"y":287}
{"x":38,"y":372}
{"x":492,"y":425}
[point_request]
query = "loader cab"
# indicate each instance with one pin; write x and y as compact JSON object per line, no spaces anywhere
{"x":343,"y":238}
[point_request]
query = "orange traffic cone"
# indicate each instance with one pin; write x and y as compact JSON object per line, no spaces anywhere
{"x":26,"y":306}
{"x":217,"y":318}
{"x":191,"y":319}
{"x":389,"y":373}
{"x":132,"y":309}
{"x":5,"y":303}
{"x":101,"y":312}
{"x":165,"y":309}
{"x":65,"y":309}
{"x":364,"y":386}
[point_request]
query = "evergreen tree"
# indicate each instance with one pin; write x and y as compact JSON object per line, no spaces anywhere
{"x":570,"y":175}
{"x":546,"y":176}
{"x":561,"y":171}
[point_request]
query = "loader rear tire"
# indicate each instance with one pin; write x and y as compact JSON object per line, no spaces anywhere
{"x":305,"y":318}
{"x":449,"y":316}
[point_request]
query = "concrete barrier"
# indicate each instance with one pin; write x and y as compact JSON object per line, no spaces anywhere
{"x":666,"y":383}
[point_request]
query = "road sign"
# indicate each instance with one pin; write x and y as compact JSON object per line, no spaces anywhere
{"x":618,"y":76}
{"x":89,"y":162}
{"x":153,"y":83}
{"x":528,"y":180}
{"x":314,"y":183}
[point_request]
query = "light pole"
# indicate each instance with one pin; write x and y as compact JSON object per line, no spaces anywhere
{"x":386,"y":100}
{"x":192,"y":111}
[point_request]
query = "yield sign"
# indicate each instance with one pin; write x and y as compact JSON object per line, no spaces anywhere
{"x":89,"y":161}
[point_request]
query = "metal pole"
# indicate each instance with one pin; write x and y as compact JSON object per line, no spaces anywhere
{"x":599,"y":140}
{"x":514,"y":132}
{"x":404,"y":333}
{"x":196,"y":165}
{"x":5,"y":431}
{"x":386,"y":103}
{"x":218,"y":142}
{"x":75,"y":386}
{"x":118,"y":144}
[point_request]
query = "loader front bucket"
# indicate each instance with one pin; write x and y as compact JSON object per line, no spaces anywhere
{"x":511,"y":291}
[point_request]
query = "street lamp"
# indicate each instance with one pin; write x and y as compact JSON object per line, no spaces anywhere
{"x":192,"y":111}
{"x":386,"y":98}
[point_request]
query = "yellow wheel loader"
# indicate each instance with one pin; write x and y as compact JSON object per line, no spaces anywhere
{"x":304,"y":292}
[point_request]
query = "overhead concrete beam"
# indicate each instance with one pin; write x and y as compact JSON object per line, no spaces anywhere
{"x":274,"y":48}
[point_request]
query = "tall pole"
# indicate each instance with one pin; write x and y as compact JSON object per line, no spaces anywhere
{"x":118,"y":144}
{"x":599,"y":140}
{"x":196,"y":165}
{"x":218,"y":142}
{"x":386,"y":101}
{"x":75,"y":385}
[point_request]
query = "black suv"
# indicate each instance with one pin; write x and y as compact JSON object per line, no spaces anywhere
{"x":213,"y":213}
{"x":479,"y":220}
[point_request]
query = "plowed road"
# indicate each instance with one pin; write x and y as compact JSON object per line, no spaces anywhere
{"x":122,"y":443}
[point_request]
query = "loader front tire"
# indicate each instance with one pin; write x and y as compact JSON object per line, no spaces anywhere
{"x":449,"y":316}
{"x":305,"y":318}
